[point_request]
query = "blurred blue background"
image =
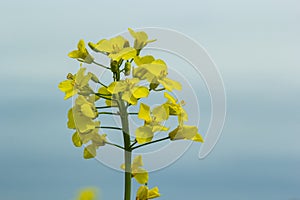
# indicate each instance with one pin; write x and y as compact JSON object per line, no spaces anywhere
{"x":256,"y":46}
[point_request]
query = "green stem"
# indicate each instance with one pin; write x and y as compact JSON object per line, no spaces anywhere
{"x":107,"y":113}
{"x":112,"y":144}
{"x":133,"y":143}
{"x":155,"y":141}
{"x":132,"y":113}
{"x":127,"y":151}
{"x":101,"y":65}
{"x":102,"y":107}
{"x":102,"y":84}
{"x":111,"y":127}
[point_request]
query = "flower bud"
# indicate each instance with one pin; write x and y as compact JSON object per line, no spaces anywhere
{"x":114,"y":67}
{"x":93,"y":77}
{"x":127,"y":68}
{"x":153,"y":85}
{"x":70,"y":76}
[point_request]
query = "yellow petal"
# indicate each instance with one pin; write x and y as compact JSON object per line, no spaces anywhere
{"x":183,"y":132}
{"x":66,"y":85}
{"x":116,"y":87}
{"x":125,"y":54}
{"x":76,"y":140}
{"x":74,"y":54}
{"x":88,"y":194}
{"x":153,"y":193}
{"x":80,"y":75}
{"x":144,"y":112}
{"x":143,"y":134}
{"x":82,"y":123}
{"x":81,"y":45}
{"x":140,"y":92}
{"x":155,"y":69}
{"x":88,"y":111}
{"x":170,"y":98}
{"x":198,"y":138}
{"x":137,"y":162}
{"x":128,"y":96}
{"x":161,"y":113}
{"x":71,"y":123}
{"x":141,"y":176}
{"x":170,"y":85}
{"x":143,"y":60}
{"x":142,"y":193}
{"x":103,"y":90}
{"x":156,"y":128}
{"x":89,"y":151}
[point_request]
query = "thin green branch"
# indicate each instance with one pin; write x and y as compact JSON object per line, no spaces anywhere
{"x":133,"y":113}
{"x":111,"y":127}
{"x":107,"y":113}
{"x":102,"y":84}
{"x":100,"y":94}
{"x":133,"y":143}
{"x":112,"y":144}
{"x":103,"y":107}
{"x":152,"y":142}
{"x":101,"y":65}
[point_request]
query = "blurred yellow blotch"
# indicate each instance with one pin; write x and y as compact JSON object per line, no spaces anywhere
{"x":88,"y":194}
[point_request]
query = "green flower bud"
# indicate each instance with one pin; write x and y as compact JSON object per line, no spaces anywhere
{"x":127,"y":68}
{"x":114,"y":67}
{"x":70,"y":76}
{"x":93,"y":77}
{"x":153,"y":85}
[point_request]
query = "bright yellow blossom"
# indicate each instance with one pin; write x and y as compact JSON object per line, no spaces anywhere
{"x":186,"y":132}
{"x":144,"y":193}
{"x":77,"y":83}
{"x":116,"y":48}
{"x":81,"y":54}
{"x":103,"y":91}
{"x":175,"y":108}
{"x":139,"y":173}
{"x":141,"y":39}
{"x":93,"y":135}
{"x":131,"y":92}
{"x":156,"y":73}
{"x":87,"y":194}
{"x":83,"y":114}
{"x":153,"y":120}
{"x":143,"y":60}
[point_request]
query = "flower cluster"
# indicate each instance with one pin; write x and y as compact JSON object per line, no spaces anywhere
{"x":134,"y":77}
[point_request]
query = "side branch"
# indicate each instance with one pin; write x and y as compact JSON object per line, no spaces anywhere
{"x":152,"y":142}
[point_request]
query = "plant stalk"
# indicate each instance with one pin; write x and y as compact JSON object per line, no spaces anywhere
{"x":127,"y":149}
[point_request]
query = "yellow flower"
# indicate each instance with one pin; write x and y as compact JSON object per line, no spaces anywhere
{"x":186,"y":132}
{"x":144,"y":193}
{"x":153,"y":120}
{"x":77,"y":83}
{"x":81,"y":54}
{"x":141,"y":39}
{"x":140,"y":174}
{"x":143,"y":60}
{"x":83,"y":114}
{"x":105,"y":92}
{"x":117,"y":48}
{"x":87,"y":194}
{"x":129,"y":89}
{"x":156,"y":73}
{"x":175,"y":108}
